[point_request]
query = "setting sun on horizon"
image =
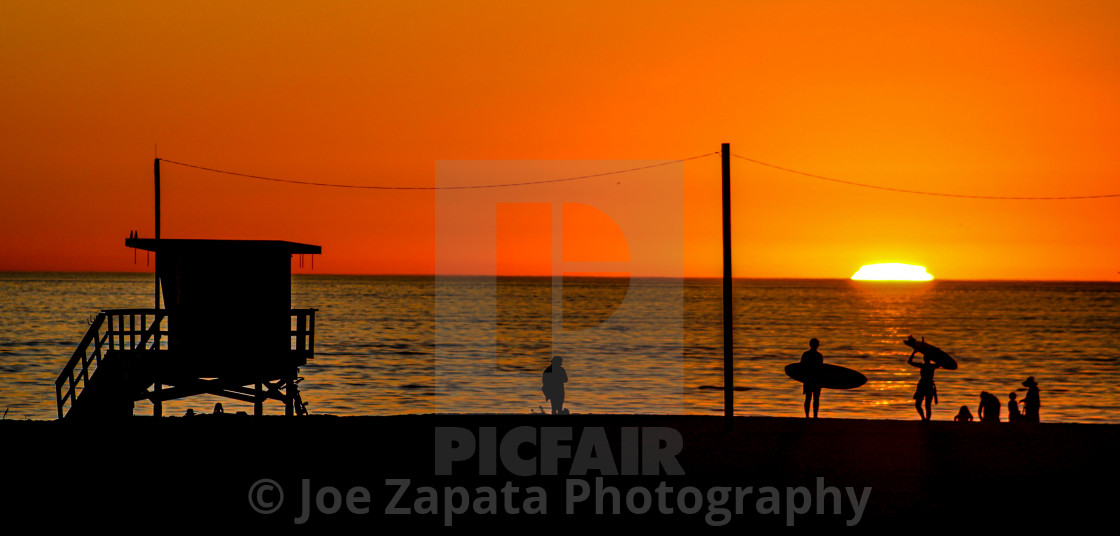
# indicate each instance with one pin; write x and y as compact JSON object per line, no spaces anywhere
{"x":892,"y":271}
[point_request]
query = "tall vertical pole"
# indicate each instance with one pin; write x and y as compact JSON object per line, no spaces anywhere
{"x":157,"y":404}
{"x":157,"y":234}
{"x":728,"y":317}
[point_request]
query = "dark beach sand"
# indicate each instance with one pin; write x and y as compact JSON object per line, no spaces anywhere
{"x":197,"y":472}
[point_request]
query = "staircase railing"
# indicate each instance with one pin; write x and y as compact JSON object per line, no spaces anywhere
{"x":83,"y":357}
{"x":113,"y":329}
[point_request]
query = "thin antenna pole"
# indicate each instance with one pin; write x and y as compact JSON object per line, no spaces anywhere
{"x":157,"y":383}
{"x":728,"y":316}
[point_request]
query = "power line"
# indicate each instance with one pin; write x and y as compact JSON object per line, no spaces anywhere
{"x":920,"y":192}
{"x":631,"y":170}
{"x":471,"y":187}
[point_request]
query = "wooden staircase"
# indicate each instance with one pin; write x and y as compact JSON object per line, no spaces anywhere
{"x":112,"y":366}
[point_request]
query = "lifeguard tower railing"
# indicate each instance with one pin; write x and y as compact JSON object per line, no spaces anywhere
{"x":144,"y":330}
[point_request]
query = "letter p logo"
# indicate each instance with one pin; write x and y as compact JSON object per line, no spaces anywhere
{"x":589,"y":270}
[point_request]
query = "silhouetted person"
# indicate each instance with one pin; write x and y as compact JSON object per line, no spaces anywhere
{"x":1031,"y":403}
{"x":964,"y":415}
{"x":1013,"y":414}
{"x":812,"y":389}
{"x":989,"y":407}
{"x":218,"y":409}
{"x":927,"y":390}
{"x":554,"y":378}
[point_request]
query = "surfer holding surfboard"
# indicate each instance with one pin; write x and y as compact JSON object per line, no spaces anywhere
{"x":933,"y":358}
{"x":815,"y":374}
{"x":812,"y":389}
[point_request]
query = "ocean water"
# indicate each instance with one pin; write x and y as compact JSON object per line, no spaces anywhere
{"x":404,"y":344}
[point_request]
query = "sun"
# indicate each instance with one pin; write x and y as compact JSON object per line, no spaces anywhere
{"x":892,"y":271}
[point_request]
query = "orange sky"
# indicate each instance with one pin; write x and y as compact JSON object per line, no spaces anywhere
{"x":961,"y":97}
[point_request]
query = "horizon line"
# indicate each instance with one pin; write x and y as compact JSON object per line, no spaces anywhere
{"x":788,"y":278}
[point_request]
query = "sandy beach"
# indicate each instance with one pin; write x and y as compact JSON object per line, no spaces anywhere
{"x":375,"y":472}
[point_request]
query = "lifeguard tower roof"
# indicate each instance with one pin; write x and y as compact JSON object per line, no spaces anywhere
{"x":200,"y":245}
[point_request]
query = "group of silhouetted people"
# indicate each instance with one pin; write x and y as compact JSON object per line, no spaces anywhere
{"x":989,"y":408}
{"x":926,"y":393}
{"x":554,"y":378}
{"x":927,"y":390}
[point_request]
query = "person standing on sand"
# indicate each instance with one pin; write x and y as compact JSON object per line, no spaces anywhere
{"x":812,"y":390}
{"x":1031,"y":403}
{"x":553,"y":380}
{"x":927,"y":390}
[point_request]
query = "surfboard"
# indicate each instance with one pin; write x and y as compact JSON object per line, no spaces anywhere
{"x":826,"y":375}
{"x":935,"y":354}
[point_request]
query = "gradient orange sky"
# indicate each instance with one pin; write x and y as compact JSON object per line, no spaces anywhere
{"x":1014,"y":98}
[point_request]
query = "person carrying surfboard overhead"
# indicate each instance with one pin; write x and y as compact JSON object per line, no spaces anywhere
{"x":812,"y":389}
{"x":927,"y":390}
{"x":933,"y":358}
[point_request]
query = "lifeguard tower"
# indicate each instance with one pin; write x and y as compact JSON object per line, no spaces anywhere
{"x":227,"y":328}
